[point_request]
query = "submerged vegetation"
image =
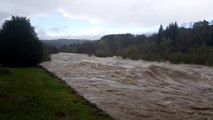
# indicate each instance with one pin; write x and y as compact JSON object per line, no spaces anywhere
{"x":175,"y":44}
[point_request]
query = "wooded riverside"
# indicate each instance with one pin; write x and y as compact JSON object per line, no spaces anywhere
{"x":175,"y":44}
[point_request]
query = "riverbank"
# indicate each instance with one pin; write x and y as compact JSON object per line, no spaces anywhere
{"x":32,"y":93}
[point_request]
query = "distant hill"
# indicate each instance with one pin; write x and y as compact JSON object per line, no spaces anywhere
{"x":58,"y":43}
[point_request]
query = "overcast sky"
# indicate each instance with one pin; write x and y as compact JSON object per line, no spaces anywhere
{"x":90,"y":19}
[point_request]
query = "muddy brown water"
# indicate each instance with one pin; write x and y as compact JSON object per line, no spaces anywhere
{"x":138,"y":90}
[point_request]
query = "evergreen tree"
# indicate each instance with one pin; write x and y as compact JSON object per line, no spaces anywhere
{"x":19,"y":44}
{"x":160,"y":32}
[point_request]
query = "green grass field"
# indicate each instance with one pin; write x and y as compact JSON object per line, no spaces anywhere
{"x":33,"y":94}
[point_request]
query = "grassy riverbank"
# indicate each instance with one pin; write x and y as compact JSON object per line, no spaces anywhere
{"x":33,"y":94}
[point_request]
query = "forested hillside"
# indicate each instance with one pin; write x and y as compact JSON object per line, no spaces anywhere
{"x":58,"y":43}
{"x":173,"y":43}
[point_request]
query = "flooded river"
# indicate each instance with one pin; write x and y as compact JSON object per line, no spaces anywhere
{"x":138,"y":90}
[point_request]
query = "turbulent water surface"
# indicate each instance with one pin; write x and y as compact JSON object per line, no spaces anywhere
{"x":138,"y":90}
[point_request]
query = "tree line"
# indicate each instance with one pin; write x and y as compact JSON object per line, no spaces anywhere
{"x":20,"y":46}
{"x":173,"y":43}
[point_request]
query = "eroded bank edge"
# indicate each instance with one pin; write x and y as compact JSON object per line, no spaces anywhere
{"x":98,"y":110}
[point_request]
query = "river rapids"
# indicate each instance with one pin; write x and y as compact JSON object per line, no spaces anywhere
{"x":138,"y":90}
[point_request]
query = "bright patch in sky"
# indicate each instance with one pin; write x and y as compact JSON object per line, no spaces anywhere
{"x":56,"y":25}
{"x":91,"y":19}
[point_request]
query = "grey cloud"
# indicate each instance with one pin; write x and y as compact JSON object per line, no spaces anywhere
{"x":3,"y":15}
{"x":141,"y":13}
{"x":27,"y":7}
{"x":58,"y":29}
{"x":44,"y":34}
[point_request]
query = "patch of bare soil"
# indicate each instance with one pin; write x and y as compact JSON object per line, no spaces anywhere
{"x":138,"y":90}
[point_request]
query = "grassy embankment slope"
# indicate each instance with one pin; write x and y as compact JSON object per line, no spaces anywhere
{"x":33,"y":94}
